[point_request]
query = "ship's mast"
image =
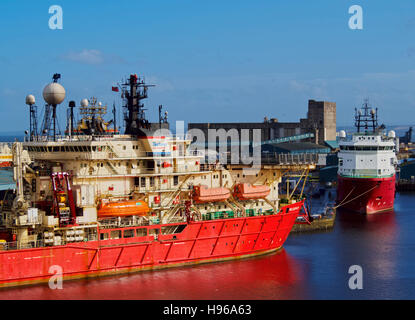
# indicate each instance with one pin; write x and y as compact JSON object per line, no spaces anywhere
{"x":135,"y":90}
{"x":366,"y":118}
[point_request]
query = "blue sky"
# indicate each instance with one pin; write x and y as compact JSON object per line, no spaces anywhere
{"x":213,"y":61}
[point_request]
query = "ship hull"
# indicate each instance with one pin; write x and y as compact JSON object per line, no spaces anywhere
{"x":366,"y":195}
{"x":199,"y":242}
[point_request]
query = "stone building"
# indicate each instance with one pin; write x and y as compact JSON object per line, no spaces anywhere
{"x":321,"y":121}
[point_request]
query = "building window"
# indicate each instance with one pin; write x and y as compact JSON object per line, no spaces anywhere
{"x":175,"y":180}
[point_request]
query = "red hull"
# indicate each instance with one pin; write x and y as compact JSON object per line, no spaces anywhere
{"x":380,"y":197}
{"x":199,"y":242}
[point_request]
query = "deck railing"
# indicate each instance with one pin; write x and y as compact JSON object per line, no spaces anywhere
{"x":265,"y":158}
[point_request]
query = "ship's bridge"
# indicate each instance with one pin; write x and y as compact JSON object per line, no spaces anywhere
{"x":367,"y":155}
{"x":368,"y":142}
{"x":106,"y":148}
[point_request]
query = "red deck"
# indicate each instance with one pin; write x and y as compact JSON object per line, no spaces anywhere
{"x":372,"y":194}
{"x":199,"y":242}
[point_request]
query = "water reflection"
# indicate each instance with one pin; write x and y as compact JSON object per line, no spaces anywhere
{"x":371,"y":242}
{"x":274,"y":276}
{"x":312,"y":266}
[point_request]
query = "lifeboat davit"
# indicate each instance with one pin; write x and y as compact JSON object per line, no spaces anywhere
{"x":123,"y":209}
{"x":205,"y":194}
{"x":246,"y":191}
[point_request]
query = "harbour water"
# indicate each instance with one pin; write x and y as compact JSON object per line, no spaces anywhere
{"x":311,"y":266}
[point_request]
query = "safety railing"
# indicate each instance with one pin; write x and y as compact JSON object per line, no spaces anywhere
{"x":264,"y":158}
{"x":15,"y":245}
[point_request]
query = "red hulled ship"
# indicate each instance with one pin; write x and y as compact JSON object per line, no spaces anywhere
{"x":94,"y":203}
{"x":123,"y":250}
{"x":367,"y":165}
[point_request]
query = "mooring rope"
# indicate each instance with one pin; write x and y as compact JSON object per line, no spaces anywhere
{"x":355,"y":197}
{"x":345,"y":198}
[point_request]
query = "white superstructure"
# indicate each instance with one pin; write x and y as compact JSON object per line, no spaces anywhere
{"x":367,"y":155}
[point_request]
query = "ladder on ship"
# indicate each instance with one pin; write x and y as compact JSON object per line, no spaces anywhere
{"x":111,"y":167}
{"x":173,"y":195}
{"x":234,"y":201}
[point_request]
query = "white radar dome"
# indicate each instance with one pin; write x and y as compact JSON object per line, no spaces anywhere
{"x":30,"y":99}
{"x":372,"y":111}
{"x":84,"y":102}
{"x":342,"y":134}
{"x":54,"y":93}
{"x":391,"y":134}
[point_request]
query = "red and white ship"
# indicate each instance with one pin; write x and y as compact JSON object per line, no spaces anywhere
{"x":95,"y":202}
{"x":367,"y":166}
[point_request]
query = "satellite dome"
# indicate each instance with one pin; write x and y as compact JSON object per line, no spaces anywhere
{"x":54,"y":93}
{"x":391,"y":134}
{"x":342,"y":134}
{"x":84,"y":103}
{"x":372,"y":111}
{"x":30,"y":99}
{"x":100,"y":103}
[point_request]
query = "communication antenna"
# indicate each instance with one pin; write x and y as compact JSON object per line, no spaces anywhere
{"x":71,"y":118}
{"x":366,"y":117}
{"x":114,"y":114}
{"x":54,"y":94}
{"x":30,"y":101}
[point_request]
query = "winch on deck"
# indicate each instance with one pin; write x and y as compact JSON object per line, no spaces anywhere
{"x":63,"y":204}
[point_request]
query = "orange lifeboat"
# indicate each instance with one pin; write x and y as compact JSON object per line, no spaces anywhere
{"x":246,"y":191}
{"x":205,"y":194}
{"x":123,"y":209}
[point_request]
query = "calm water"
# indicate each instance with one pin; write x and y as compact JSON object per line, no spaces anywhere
{"x":311,"y":266}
